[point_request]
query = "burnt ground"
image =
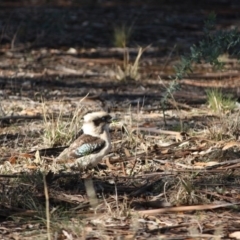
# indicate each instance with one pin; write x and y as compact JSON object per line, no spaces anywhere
{"x":179,"y":184}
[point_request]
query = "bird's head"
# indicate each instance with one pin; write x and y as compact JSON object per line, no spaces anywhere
{"x":96,"y":122}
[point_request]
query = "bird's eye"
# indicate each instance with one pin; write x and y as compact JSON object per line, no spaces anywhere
{"x":104,"y":118}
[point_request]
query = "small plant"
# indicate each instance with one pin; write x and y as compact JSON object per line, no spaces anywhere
{"x":208,"y":50}
{"x":219,"y":102}
{"x":187,"y":192}
{"x":129,"y":71}
{"x":121,"y":36}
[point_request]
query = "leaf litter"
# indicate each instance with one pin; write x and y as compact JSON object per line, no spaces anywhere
{"x":149,"y":172}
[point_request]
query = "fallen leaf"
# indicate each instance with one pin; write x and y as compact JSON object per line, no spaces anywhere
{"x":235,"y":235}
{"x":230,"y":145}
{"x":165,"y":151}
{"x":127,"y":153}
{"x":12,"y":159}
{"x":67,"y":235}
{"x":31,"y":167}
{"x":205,"y":164}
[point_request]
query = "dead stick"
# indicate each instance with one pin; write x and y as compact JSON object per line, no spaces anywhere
{"x":186,"y":208}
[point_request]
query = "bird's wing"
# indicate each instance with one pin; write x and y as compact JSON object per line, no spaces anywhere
{"x":85,"y":145}
{"x":88,"y":145}
{"x":79,"y":134}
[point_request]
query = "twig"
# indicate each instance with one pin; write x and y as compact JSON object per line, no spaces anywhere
{"x":229,"y":162}
{"x":181,"y":105}
{"x":10,"y":175}
{"x":25,"y":117}
{"x":2,"y":113}
{"x":186,"y":208}
{"x":155,"y":130}
{"x":47,"y":206}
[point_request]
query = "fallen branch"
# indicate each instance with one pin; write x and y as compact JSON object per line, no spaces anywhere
{"x":186,"y":208}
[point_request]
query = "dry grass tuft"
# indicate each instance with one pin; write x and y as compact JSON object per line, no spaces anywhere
{"x":220,"y":103}
{"x":129,"y":71}
{"x":60,"y":131}
{"x":121,"y":35}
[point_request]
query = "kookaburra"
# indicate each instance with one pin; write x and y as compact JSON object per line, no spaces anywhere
{"x":92,"y":145}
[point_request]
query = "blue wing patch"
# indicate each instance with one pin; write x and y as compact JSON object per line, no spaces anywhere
{"x":89,"y":148}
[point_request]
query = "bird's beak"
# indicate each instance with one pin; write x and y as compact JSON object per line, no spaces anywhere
{"x":113,"y":119}
{"x":109,"y":119}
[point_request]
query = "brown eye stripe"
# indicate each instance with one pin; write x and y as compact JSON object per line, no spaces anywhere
{"x":102,"y":119}
{"x":106,"y":118}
